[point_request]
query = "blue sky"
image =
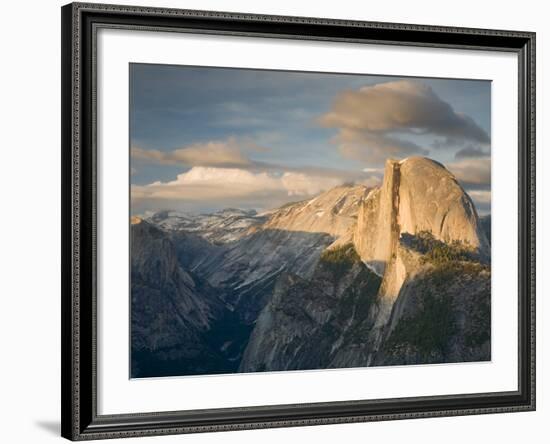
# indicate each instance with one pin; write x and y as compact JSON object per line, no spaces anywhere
{"x":275,"y":136}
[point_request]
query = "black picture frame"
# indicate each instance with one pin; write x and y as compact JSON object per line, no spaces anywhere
{"x":80,"y":22}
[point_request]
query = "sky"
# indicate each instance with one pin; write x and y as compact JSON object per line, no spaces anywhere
{"x":205,"y":138}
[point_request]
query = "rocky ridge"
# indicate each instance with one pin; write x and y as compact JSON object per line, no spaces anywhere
{"x":339,"y":280}
{"x":419,"y":203}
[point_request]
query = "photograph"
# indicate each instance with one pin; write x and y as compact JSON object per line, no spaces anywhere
{"x":289,"y":220}
{"x":294,"y":220}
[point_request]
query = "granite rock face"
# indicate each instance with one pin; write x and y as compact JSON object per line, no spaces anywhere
{"x":417,"y":194}
{"x":441,"y":316}
{"x":308,"y":321}
{"x":342,"y":316}
{"x":419,"y":232}
{"x":170,"y":308}
{"x":291,"y":240}
{"x":333,"y":212}
{"x":398,"y":274}
{"x":155,"y":264}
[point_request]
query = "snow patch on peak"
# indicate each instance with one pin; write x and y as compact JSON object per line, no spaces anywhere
{"x":224,"y":226}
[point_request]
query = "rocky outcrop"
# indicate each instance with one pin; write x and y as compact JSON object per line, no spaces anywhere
{"x":377,"y":229}
{"x":399,"y":274}
{"x":291,"y":240}
{"x":421,"y":234}
{"x":307,"y":321}
{"x":443,"y":315}
{"x":176,"y":317}
{"x":247,"y":271}
{"x":431,"y":199}
{"x":417,"y":194}
{"x":333,"y":212}
{"x":342,"y":318}
{"x":197,"y":277}
{"x":155,"y":265}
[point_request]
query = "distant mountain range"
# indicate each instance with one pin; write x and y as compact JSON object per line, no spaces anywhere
{"x":220,"y":227}
{"x":357,"y":276}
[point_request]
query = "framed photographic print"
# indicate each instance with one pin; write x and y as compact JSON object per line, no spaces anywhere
{"x":280,"y":221}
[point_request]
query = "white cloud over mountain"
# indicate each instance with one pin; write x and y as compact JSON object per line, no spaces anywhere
{"x":211,"y":185}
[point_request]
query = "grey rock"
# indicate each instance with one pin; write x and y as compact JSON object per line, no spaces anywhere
{"x":171,"y":310}
{"x":307,"y":320}
{"x":228,"y":225}
{"x":414,"y":230}
{"x":398,"y":274}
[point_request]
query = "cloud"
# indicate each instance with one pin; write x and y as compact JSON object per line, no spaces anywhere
{"x":371,"y":118}
{"x":480,"y":196}
{"x":233,"y":153}
{"x":208,"y":183}
{"x":150,"y":156}
{"x":379,"y":171}
{"x":211,"y":187}
{"x":301,"y":184}
{"x":471,"y":151}
{"x":373,"y":147}
{"x":402,"y":105}
{"x":472,"y":172}
{"x":482,"y":200}
{"x":227,"y":153}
